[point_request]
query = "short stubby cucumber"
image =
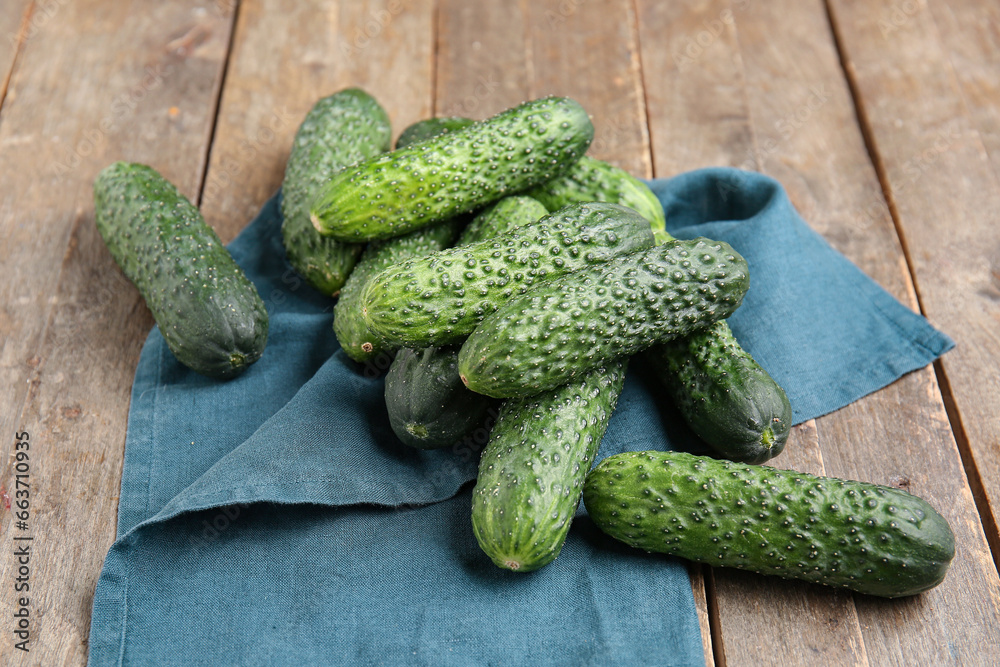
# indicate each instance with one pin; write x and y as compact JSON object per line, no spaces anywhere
{"x":429,"y":128}
{"x":724,"y":395}
{"x":869,"y":538}
{"x":353,"y":334}
{"x":507,"y":214}
{"x":208,"y":312}
{"x":341,"y":129}
{"x":428,"y":405}
{"x":532,"y":471}
{"x":578,"y":321}
{"x":595,"y":180}
{"x":454,"y":173}
{"x":439,"y":299}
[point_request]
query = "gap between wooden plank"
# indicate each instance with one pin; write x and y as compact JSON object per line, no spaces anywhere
{"x":22,"y":32}
{"x":972,"y":474}
{"x":206,"y":155}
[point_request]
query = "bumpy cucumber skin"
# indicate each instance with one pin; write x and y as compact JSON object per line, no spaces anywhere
{"x":595,"y":180}
{"x":532,"y":471}
{"x":428,"y":405}
{"x":868,"y":538}
{"x":208,"y":311}
{"x":354,"y":336}
{"x":356,"y":339}
{"x":341,"y":129}
{"x":454,"y":173}
{"x":507,"y":214}
{"x":438,"y":300}
{"x":724,"y":395}
{"x":569,"y":325}
{"x":423,"y":130}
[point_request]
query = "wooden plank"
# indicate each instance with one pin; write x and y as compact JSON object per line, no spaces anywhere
{"x":934,"y":153}
{"x":15,"y":27}
{"x":899,"y":435}
{"x":804,"y":133}
{"x":385,"y":47}
{"x":97,"y":83}
{"x":590,"y":52}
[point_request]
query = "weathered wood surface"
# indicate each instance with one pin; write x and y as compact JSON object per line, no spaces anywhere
{"x":937,"y":140}
{"x":95,"y":83}
{"x":671,"y":87}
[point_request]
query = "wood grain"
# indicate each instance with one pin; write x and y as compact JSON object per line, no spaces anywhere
{"x":799,"y":111}
{"x":941,"y":168}
{"x":15,"y":27}
{"x":97,"y":82}
{"x":384,"y":47}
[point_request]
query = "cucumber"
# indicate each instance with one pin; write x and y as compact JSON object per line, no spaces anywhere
{"x":428,"y":405}
{"x":438,"y":300}
{"x":532,"y":471}
{"x":542,"y":339}
{"x":354,"y":336}
{"x":595,"y":180}
{"x":341,"y":129}
{"x":724,"y":395}
{"x":423,"y":130}
{"x":356,"y":339}
{"x":208,"y":311}
{"x":868,"y":538}
{"x":507,"y":214}
{"x":453,"y":173}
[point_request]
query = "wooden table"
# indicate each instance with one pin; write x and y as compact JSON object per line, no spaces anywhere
{"x":882,"y":119}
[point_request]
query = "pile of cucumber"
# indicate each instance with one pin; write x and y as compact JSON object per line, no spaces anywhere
{"x":512,"y":278}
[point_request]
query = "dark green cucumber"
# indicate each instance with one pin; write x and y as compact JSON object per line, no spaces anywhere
{"x":507,"y":214}
{"x":427,"y":402}
{"x":532,"y":471}
{"x":423,"y":130}
{"x":428,"y":405}
{"x":872,"y":539}
{"x":340,"y":130}
{"x":454,"y":173}
{"x":726,"y":398}
{"x":581,"y":320}
{"x":208,"y":312}
{"x":438,"y":300}
{"x":595,"y":180}
{"x":354,"y":336}
{"x":356,"y":339}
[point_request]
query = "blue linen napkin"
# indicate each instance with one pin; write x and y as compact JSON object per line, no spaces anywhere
{"x":275,"y":519}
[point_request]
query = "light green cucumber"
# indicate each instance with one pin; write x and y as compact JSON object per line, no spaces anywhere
{"x":208,"y":311}
{"x":864,"y":537}
{"x":454,"y":173}
{"x":439,"y":299}
{"x":595,"y":180}
{"x":578,"y":321}
{"x":532,"y":471}
{"x":339,"y":130}
{"x":423,"y":130}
